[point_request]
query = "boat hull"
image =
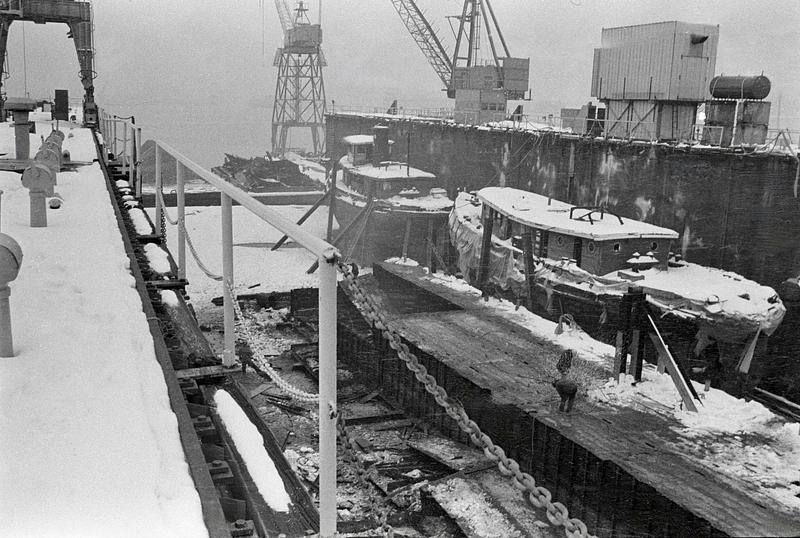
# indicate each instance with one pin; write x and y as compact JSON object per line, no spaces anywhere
{"x":387,"y":232}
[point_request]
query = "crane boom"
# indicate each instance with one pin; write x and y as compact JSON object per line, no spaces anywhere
{"x":284,"y":14}
{"x":426,"y":38}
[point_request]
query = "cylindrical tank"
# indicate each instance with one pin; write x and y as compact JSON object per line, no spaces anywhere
{"x":754,"y":87}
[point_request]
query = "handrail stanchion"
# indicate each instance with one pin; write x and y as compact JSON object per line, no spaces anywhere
{"x":229,"y":349}
{"x":132,"y":158}
{"x":114,"y":139}
{"x":125,"y":158}
{"x":138,"y":162}
{"x":159,"y":209}
{"x":181,"y":219}
{"x":327,"y":398}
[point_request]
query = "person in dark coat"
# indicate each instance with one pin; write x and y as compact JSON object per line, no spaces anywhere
{"x":566,"y":388}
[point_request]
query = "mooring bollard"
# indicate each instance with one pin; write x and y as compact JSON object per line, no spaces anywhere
{"x":40,"y":177}
{"x":10,"y":262}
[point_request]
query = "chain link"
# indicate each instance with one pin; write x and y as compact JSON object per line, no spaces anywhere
{"x":181,"y":224}
{"x":538,"y":496}
{"x":246,"y":332}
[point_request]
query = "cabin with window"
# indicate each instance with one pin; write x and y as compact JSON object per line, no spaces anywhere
{"x":597,"y":241}
{"x":368,"y":170}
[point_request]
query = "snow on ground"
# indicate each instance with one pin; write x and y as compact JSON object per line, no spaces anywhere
{"x":741,"y":439}
{"x":89,"y":444}
{"x":250,"y":446}
{"x":766,"y":453}
{"x":254,"y":263}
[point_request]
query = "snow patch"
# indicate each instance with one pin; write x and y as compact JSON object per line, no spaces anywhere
{"x":157,"y":258}
{"x":140,"y":222}
{"x":250,"y":446}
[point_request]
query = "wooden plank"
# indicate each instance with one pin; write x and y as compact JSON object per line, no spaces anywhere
{"x":681,"y":383}
{"x":205,"y":371}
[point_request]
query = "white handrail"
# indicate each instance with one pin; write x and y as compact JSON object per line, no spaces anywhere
{"x":319,"y":247}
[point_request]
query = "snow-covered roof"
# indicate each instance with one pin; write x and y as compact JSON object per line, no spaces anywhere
{"x":387,"y":171}
{"x":358,"y":140}
{"x":547,"y":214}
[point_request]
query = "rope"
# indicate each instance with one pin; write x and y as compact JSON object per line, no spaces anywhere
{"x":538,"y":496}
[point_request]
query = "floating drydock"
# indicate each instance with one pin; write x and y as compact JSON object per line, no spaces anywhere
{"x":623,"y":469}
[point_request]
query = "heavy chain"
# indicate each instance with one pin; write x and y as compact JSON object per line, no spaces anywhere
{"x":538,"y":496}
{"x":246,"y":332}
{"x":364,"y":472}
{"x":181,"y":224}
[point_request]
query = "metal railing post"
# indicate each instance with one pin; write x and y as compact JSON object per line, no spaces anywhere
{"x":181,"y":220}
{"x":131,"y":164}
{"x":138,"y":162}
{"x":114,"y":139}
{"x":125,"y":157}
{"x":159,"y":209}
{"x":327,"y":398}
{"x":229,"y":349}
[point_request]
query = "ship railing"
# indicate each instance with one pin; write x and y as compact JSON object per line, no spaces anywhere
{"x":432,"y":113}
{"x":118,"y":134}
{"x":123,"y":139}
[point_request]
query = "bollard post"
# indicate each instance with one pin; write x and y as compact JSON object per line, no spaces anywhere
{"x":159,"y":209}
{"x":327,"y":398}
{"x":181,"y":219}
{"x":10,"y":262}
{"x":229,"y":349}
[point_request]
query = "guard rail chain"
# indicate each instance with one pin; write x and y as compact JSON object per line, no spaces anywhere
{"x":246,"y":332}
{"x":363,"y":473}
{"x":538,"y":496}
{"x":179,"y":222}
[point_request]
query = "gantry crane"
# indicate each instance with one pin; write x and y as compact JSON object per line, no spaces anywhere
{"x":481,"y":89}
{"x":299,"y":90}
{"x":78,"y":16}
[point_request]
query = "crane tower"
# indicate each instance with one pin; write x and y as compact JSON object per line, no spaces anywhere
{"x":480,"y":87}
{"x":299,"y":90}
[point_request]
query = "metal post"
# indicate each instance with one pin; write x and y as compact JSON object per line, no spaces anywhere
{"x":138,"y":164}
{"x":327,"y":399}
{"x":181,"y":220}
{"x":125,"y":157}
{"x":114,"y":138}
{"x":131,"y":178}
{"x":229,"y":349}
{"x":159,"y":209}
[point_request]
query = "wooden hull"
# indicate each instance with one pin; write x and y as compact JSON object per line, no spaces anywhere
{"x":388,"y":232}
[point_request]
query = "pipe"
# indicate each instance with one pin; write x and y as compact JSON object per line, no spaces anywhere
{"x":327,"y":398}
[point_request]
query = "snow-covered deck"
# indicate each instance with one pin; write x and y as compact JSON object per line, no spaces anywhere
{"x":89,"y":443}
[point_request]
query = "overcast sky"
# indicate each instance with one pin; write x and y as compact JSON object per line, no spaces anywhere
{"x":199,"y":72}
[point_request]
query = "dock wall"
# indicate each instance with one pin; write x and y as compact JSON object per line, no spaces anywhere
{"x":733,"y":210}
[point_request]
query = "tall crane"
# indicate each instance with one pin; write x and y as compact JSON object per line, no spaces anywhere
{"x":481,"y":88}
{"x":299,"y":89}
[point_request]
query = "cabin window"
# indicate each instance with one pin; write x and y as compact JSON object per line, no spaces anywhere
{"x":590,"y":246}
{"x":654,"y":246}
{"x":617,"y":247}
{"x":386,"y":186}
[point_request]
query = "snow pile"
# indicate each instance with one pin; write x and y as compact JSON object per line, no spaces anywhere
{"x":170,"y":298}
{"x":740,"y":439}
{"x":89,"y":441}
{"x":157,"y":258}
{"x":140,"y":222}
{"x":400,"y":261}
{"x":250,"y":446}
